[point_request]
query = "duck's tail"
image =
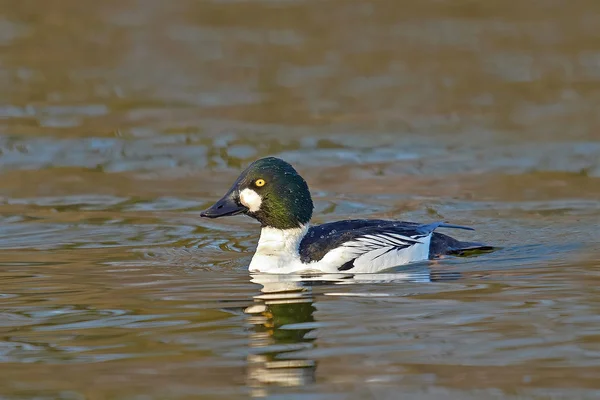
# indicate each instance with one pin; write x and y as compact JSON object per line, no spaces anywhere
{"x":445,"y":245}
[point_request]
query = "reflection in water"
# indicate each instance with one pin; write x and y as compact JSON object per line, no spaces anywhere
{"x":283,"y":321}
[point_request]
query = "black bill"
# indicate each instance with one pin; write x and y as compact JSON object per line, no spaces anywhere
{"x":228,"y":205}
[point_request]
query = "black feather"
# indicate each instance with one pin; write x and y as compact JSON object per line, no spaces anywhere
{"x":348,"y":265}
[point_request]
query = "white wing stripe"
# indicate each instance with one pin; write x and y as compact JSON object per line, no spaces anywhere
{"x":369,"y":243}
{"x":385,"y":239}
{"x":402,"y":237}
{"x":376,"y":240}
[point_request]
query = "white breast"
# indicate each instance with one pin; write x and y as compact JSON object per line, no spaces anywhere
{"x":278,"y":251}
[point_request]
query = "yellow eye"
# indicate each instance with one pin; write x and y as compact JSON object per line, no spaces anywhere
{"x":260,"y":182}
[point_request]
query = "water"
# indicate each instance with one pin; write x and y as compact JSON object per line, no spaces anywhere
{"x":120,"y":121}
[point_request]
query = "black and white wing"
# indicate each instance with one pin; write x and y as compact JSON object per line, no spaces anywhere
{"x":382,"y":250}
{"x":368,"y":245}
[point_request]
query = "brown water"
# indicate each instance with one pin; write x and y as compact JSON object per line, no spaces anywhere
{"x":120,"y":120}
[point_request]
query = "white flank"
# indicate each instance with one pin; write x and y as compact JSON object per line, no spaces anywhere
{"x":250,"y":199}
{"x":388,"y":256}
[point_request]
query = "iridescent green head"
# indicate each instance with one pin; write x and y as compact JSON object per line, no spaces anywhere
{"x":269,"y":190}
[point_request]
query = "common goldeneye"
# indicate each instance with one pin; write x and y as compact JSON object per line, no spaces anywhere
{"x":272,"y":192}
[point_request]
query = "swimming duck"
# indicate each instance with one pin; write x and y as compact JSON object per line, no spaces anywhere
{"x":272,"y":192}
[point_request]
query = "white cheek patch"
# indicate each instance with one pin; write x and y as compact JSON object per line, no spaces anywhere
{"x":250,"y":199}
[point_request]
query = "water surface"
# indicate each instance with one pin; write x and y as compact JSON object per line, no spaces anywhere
{"x":121,"y":120}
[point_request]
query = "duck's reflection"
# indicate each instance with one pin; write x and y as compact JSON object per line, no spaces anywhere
{"x":283,"y":321}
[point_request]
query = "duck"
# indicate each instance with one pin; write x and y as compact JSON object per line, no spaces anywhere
{"x":272,"y":192}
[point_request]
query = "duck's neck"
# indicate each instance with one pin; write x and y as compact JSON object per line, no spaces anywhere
{"x":280,"y":242}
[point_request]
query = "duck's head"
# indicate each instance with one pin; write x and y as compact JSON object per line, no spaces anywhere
{"x":270,"y":191}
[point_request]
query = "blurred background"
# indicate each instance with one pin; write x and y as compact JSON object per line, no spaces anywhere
{"x":121,"y":120}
